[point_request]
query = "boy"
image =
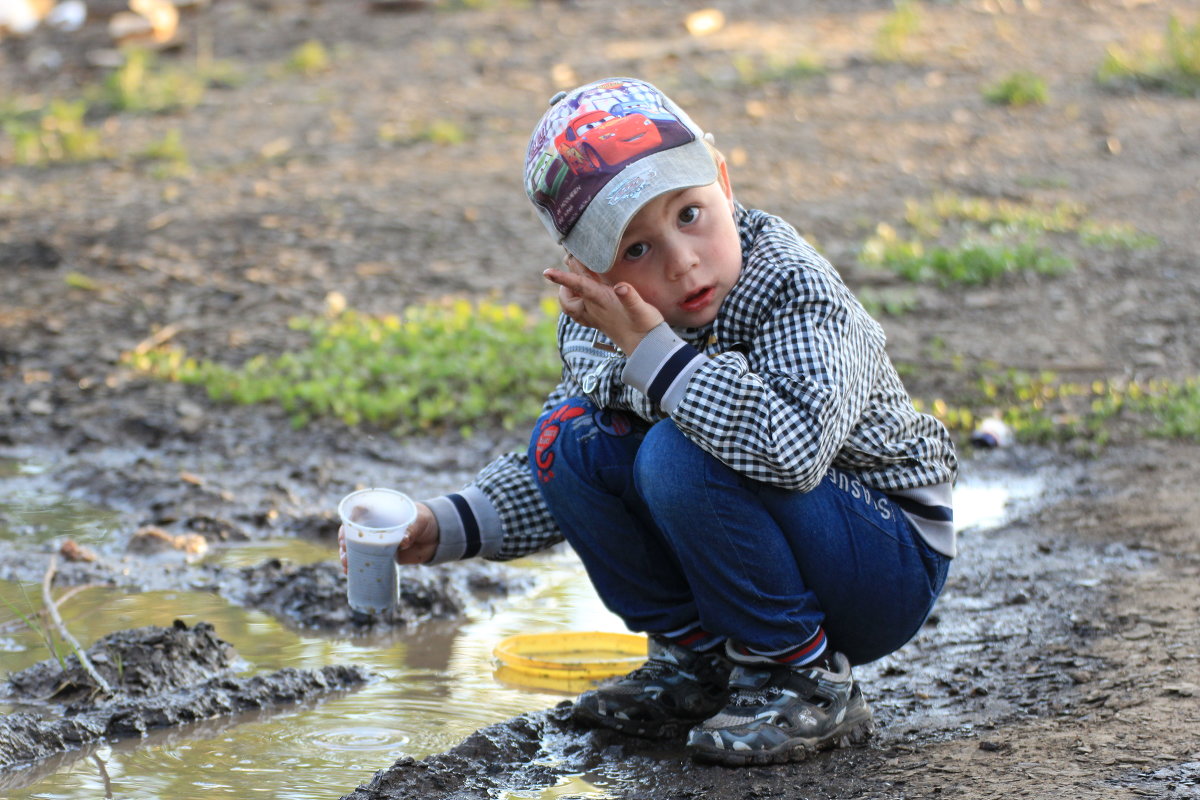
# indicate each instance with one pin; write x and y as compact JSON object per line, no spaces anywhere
{"x":730,"y":451}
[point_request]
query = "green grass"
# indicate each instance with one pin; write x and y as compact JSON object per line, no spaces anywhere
{"x":436,"y":131}
{"x":887,"y":301}
{"x":56,"y":134}
{"x":928,"y":218}
{"x":1171,"y":65}
{"x":893,"y":37}
{"x":308,"y":59}
{"x":143,"y":85}
{"x":1018,"y":89}
{"x":31,"y":621}
{"x":970,"y":241}
{"x":752,"y":71}
{"x":1042,"y":407}
{"x":453,"y":365}
{"x":441,"y":131}
{"x":168,"y":155}
{"x":971,"y":262}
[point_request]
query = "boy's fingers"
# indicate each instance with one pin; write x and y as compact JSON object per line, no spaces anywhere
{"x":628,"y":295}
{"x":578,"y":284}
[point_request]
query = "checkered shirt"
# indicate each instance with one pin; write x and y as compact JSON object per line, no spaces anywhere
{"x":794,"y":379}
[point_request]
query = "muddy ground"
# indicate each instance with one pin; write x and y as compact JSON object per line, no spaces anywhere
{"x":138,"y":680}
{"x":1065,"y":655}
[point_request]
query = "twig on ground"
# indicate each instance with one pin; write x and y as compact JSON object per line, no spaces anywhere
{"x":108,"y":793}
{"x":64,"y":634}
{"x":159,"y":337}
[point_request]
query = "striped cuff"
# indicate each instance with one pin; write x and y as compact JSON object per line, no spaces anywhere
{"x":468,"y":526}
{"x":660,"y":367}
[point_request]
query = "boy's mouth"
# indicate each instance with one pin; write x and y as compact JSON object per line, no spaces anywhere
{"x":698,"y":299}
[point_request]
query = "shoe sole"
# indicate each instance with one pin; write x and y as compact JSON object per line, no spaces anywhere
{"x":669,"y":729}
{"x":790,"y":751}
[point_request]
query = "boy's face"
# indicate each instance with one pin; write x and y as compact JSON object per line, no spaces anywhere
{"x":682,"y":253}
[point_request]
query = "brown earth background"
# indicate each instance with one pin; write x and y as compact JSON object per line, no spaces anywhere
{"x":300,"y":185}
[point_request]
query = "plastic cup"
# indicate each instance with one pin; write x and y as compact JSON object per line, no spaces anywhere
{"x":375,"y":521}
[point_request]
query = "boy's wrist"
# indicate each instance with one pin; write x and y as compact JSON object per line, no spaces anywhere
{"x":661,"y":365}
{"x":468,"y":526}
{"x":629,"y":342}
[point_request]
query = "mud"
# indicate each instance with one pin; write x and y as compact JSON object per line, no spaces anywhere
{"x":1012,"y":646}
{"x":1066,"y":648}
{"x":309,"y":596}
{"x":161,"y":677}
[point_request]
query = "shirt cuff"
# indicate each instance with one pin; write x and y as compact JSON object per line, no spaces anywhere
{"x":468,"y":526}
{"x":660,"y":367}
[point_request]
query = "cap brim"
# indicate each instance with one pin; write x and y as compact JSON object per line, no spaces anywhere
{"x":594,"y":240}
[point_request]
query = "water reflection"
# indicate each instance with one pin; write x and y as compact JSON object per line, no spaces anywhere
{"x":437,"y":686}
{"x":574,"y":787}
{"x":42,"y":519}
{"x":988,"y":504}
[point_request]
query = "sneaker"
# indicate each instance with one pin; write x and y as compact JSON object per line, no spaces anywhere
{"x":671,"y":692}
{"x":778,"y":714}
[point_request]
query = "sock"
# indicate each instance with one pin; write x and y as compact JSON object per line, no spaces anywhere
{"x":693,"y":637}
{"x":813,"y":652}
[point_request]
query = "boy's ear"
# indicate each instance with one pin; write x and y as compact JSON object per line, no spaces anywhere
{"x":723,"y":178}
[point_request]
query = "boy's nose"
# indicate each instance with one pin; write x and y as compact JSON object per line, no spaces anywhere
{"x":680,"y":261}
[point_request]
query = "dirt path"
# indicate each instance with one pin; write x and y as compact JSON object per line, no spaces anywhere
{"x":1065,"y":659}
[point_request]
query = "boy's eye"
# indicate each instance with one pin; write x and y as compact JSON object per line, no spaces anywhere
{"x":689,"y":214}
{"x":635,"y":251}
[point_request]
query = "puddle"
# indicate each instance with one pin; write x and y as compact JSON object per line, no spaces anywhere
{"x":441,"y":684}
{"x":439,"y":689}
{"x":988,"y":503}
{"x":40,"y":519}
{"x":573,"y":787}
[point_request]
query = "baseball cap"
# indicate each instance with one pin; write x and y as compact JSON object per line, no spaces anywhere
{"x":603,"y":151}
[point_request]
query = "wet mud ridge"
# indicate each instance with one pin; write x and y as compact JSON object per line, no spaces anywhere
{"x":302,"y":596}
{"x":160,"y":677}
{"x":314,"y":595}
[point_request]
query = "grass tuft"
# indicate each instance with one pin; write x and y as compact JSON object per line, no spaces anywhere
{"x":1017,"y":90}
{"x":1172,"y":64}
{"x":442,"y":366}
{"x":57,"y":134}
{"x":1041,"y":407}
{"x":971,"y":240}
{"x":308,"y":59}
{"x":144,"y":85}
{"x":893,"y":37}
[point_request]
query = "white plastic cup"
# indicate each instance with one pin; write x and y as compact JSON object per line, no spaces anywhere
{"x":375,"y":521}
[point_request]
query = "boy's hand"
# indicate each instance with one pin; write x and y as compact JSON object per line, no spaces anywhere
{"x":416,"y":548}
{"x":618,"y":311}
{"x":422,"y":540}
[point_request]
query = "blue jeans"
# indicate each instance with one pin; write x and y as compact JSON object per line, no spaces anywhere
{"x":670,"y":536}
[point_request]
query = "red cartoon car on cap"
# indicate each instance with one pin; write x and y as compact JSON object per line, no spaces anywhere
{"x":598,"y":138}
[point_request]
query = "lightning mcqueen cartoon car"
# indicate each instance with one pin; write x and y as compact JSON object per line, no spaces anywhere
{"x":598,"y":138}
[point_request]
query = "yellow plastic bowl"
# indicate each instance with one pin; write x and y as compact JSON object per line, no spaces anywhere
{"x":571,"y":656}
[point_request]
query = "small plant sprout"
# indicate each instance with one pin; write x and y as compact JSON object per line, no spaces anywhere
{"x":308,"y":59}
{"x":892,"y":38}
{"x":1171,"y":64}
{"x":141,"y":84}
{"x":57,"y":135}
{"x":1018,"y":89}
